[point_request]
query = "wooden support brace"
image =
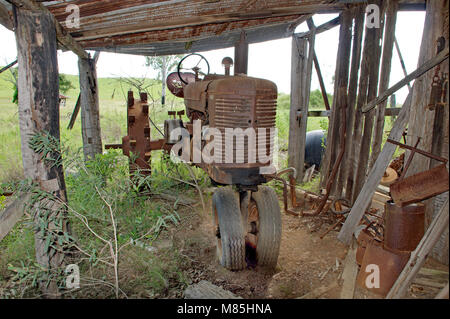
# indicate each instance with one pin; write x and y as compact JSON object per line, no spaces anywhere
{"x":62,"y":35}
{"x":412,"y":76}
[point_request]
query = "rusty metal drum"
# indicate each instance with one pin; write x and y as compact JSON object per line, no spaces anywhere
{"x":382,"y":264}
{"x":404,"y":226}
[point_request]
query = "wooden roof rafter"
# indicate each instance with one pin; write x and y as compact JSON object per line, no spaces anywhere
{"x":159,"y":27}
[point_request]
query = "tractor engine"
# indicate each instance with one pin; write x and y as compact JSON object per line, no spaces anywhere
{"x":243,"y":110}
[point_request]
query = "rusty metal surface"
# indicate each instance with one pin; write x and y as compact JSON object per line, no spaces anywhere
{"x":404,"y":226}
{"x":364,"y":239}
{"x":420,"y":186}
{"x":390,"y":266}
{"x":126,"y":26}
{"x":137,"y":145}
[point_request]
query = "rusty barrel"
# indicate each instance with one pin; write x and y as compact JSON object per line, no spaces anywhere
{"x":404,"y":226}
{"x":380,"y":268}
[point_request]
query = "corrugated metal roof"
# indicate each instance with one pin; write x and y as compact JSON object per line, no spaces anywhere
{"x":160,"y":27}
{"x":152,"y":27}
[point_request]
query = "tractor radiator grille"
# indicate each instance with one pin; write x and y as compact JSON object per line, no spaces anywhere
{"x":245,"y":112}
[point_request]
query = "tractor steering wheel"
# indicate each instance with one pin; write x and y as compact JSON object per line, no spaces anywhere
{"x":192,"y":67}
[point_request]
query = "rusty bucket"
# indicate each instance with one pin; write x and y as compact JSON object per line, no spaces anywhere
{"x":389,"y":265}
{"x":420,"y":186}
{"x":404,"y":226}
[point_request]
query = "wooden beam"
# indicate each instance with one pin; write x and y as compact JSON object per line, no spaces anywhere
{"x":8,"y":66}
{"x":388,"y":48}
{"x":11,"y":215}
{"x":38,"y":87}
{"x":5,"y":18}
{"x":419,"y":255}
{"x":346,"y":167}
{"x":349,"y":273}
{"x":241,"y":55}
{"x":339,"y":109}
{"x":304,"y":106}
{"x":63,"y":36}
{"x":428,"y":65}
{"x":374,"y":71}
{"x":298,"y":71}
{"x":89,"y":104}
{"x":373,"y":180}
{"x":402,"y":62}
{"x":321,"y":83}
{"x":321,"y":28}
{"x":76,"y":109}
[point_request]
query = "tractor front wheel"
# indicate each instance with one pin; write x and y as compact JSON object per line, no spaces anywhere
{"x":227,"y":221}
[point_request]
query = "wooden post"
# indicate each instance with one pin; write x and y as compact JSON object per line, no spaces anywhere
{"x":352,"y":92}
{"x":39,"y":113}
{"x":90,"y":114}
{"x":298,"y":71}
{"x":419,"y":255}
{"x":388,"y":47}
{"x":375,"y":34}
{"x":340,"y":96}
{"x":241,"y":55}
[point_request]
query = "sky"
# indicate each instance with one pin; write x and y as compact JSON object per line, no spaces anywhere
{"x":269,"y":60}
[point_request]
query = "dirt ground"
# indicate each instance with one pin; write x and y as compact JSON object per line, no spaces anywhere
{"x":307,"y":264}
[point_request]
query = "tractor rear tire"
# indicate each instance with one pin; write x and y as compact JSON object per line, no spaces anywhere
{"x":229,"y":229}
{"x":269,"y":228}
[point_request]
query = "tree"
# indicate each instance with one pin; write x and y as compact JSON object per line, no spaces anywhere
{"x":64,"y":84}
{"x":163,"y":64}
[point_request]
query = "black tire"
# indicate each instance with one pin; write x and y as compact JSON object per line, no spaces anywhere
{"x":269,"y":228}
{"x":229,"y":230}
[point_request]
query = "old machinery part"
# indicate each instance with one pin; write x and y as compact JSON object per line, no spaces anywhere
{"x":193,"y":62}
{"x":137,"y":145}
{"x":404,"y":226}
{"x":230,"y":239}
{"x":227,"y":63}
{"x":422,"y":185}
{"x":175,"y":85}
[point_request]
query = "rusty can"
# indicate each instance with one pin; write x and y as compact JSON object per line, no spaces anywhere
{"x":404,"y":226}
{"x":380,"y":269}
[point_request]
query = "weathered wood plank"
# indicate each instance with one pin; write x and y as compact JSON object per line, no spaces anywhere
{"x":206,"y":290}
{"x":346,"y":167}
{"x":5,"y":18}
{"x":373,"y":180}
{"x":412,"y":76}
{"x":388,"y":48}
{"x":11,"y":215}
{"x":298,"y":71}
{"x":376,"y":35}
{"x":241,"y":55}
{"x":340,"y":97}
{"x":38,"y":87}
{"x":89,"y":104}
{"x":63,"y":36}
{"x":321,"y":28}
{"x":419,"y":255}
{"x":349,"y":273}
